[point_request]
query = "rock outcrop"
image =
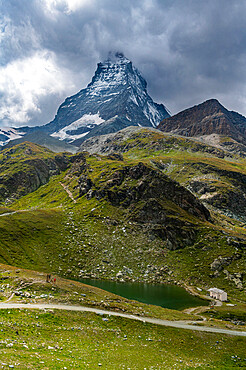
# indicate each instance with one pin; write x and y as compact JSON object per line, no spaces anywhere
{"x":164,"y":208}
{"x":25,"y":167}
{"x":207,"y":118}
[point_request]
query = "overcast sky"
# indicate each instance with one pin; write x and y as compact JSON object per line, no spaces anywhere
{"x":187,"y":50}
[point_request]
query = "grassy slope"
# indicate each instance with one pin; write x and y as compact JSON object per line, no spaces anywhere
{"x":92,"y":238}
{"x":54,"y":340}
{"x":18,"y":158}
{"x":51,"y":339}
{"x":54,"y":234}
{"x":27,"y":286}
{"x":25,"y":167}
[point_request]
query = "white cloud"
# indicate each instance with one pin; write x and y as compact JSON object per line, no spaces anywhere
{"x":187,"y":51}
{"x":66,"y":6}
{"x":24,"y":82}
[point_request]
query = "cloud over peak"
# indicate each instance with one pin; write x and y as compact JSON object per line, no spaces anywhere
{"x":187,"y":51}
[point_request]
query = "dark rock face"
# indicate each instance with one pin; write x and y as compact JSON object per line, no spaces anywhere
{"x":151,"y":184}
{"x":231,"y":200}
{"x":151,"y":199}
{"x":207,"y":118}
{"x":85,"y":184}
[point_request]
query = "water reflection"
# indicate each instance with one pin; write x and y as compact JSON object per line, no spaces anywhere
{"x":168,"y":296}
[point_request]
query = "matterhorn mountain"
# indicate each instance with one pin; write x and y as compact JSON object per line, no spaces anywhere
{"x":115,"y":98}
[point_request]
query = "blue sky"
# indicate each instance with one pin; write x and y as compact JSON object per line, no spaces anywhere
{"x":187,"y":50}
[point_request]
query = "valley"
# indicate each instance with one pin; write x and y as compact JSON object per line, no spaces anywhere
{"x":105,"y":194}
{"x":92,"y":212}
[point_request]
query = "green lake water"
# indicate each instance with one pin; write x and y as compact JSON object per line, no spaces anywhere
{"x":164,"y":295}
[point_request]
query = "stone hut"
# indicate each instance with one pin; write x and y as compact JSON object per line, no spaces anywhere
{"x":218,"y":294}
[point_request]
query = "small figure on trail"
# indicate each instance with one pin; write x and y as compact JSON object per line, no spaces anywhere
{"x":54,"y":280}
{"x":48,"y":277}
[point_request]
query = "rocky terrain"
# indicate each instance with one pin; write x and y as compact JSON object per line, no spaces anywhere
{"x":219,"y":183}
{"x":209,"y":121}
{"x":126,"y":216}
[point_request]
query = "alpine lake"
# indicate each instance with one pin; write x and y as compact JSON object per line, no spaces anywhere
{"x":164,"y":295}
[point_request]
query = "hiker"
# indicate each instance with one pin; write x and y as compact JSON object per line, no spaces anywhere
{"x":48,"y":277}
{"x":54,"y":280}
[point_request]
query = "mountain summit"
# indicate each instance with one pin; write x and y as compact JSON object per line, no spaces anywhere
{"x":206,"y":119}
{"x":115,"y":98}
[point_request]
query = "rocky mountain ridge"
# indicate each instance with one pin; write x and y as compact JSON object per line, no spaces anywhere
{"x":206,"y":119}
{"x":43,"y":139}
{"x":117,"y":98}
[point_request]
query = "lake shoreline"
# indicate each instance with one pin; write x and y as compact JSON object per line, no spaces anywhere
{"x":172,"y":296}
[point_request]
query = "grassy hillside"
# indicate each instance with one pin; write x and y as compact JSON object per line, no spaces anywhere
{"x":215,"y":176}
{"x":54,"y":339}
{"x":25,"y":167}
{"x":27,"y":286}
{"x":113,"y":218}
{"x":73,"y":340}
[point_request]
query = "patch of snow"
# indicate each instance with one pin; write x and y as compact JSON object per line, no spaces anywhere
{"x":133,"y":98}
{"x":87,"y":120}
{"x":11,"y":134}
{"x":151,"y":113}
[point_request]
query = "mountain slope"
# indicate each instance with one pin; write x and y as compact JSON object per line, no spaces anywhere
{"x":215,"y":176}
{"x":119,"y":218}
{"x":8,"y":134}
{"x":205,"y":119}
{"x":41,"y":138}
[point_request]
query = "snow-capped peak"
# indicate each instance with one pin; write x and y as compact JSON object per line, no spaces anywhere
{"x":116,"y":89}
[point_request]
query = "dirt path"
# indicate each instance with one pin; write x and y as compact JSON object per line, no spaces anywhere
{"x":7,"y":213}
{"x":174,"y":324}
{"x":197,"y":311}
{"x":13,"y":212}
{"x":68,"y":192}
